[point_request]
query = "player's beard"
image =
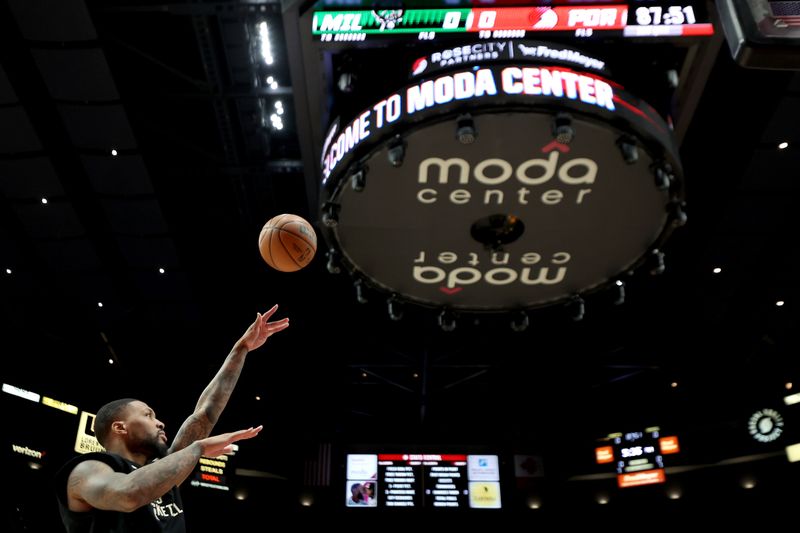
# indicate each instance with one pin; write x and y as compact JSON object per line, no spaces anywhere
{"x":161,"y":449}
{"x":154,"y":448}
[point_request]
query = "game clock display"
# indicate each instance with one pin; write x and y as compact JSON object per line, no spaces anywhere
{"x":638,"y":456}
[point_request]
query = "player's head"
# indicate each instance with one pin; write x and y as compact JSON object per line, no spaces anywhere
{"x":133,"y":425}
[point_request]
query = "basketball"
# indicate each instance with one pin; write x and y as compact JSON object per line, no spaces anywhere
{"x":287,"y":242}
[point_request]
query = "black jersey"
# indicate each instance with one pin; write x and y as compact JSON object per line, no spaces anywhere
{"x":163,"y":515}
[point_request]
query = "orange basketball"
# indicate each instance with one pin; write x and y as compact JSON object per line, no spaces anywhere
{"x":287,"y":242}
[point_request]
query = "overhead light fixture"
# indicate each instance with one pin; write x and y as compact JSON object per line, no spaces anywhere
{"x":330,"y":214}
{"x":663,"y":177}
{"x":780,"y":303}
{"x":657,"y":259}
{"x":361,"y":297}
{"x":346,"y":82}
{"x":44,"y":201}
{"x":628,"y":149}
{"x":717,"y":270}
{"x":783,"y":146}
{"x":520,"y":322}
{"x":447,"y":320}
{"x":358,"y":179}
{"x":397,"y":151}
{"x":395,"y":308}
{"x":673,"y":78}
{"x":9,"y":271}
{"x":563,"y":131}
{"x":620,"y":298}
{"x":333,"y":261}
{"x":577,"y":308}
{"x":114,"y":152}
{"x":466,"y":133}
{"x":678,"y":214}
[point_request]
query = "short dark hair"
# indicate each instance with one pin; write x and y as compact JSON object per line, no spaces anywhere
{"x":106,"y":416}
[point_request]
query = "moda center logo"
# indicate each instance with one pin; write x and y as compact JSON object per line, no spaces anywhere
{"x":479,"y":183}
{"x":455,"y":181}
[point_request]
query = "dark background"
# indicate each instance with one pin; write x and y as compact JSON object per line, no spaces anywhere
{"x":171,"y":87}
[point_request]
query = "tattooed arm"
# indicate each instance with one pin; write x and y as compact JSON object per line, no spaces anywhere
{"x":215,"y":396}
{"x":94,"y":485}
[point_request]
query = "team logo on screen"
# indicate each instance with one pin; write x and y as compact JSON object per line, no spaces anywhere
{"x":765,"y":425}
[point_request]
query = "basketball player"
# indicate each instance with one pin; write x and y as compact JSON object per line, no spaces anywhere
{"x":133,"y":486}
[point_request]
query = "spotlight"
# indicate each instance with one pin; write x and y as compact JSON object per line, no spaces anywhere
{"x":673,"y":79}
{"x":395,"y":308}
{"x":658,"y":262}
{"x":346,"y":82}
{"x":627,"y":146}
{"x":563,"y":131}
{"x":447,"y":321}
{"x":360,"y":296}
{"x":520,"y":323}
{"x":663,"y":177}
{"x":620,"y":299}
{"x":679,"y":217}
{"x":396,"y":152}
{"x":330,"y":215}
{"x":466,"y":133}
{"x":358,"y":179}
{"x":333,"y":262}
{"x":577,"y":308}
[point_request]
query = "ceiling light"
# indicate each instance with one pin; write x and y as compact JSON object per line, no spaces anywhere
{"x":447,"y":321}
{"x":266,"y":48}
{"x":780,"y":303}
{"x":674,"y":493}
{"x":577,"y":308}
{"x":396,"y":152}
{"x":44,"y":201}
{"x":657,"y":262}
{"x":110,"y":361}
{"x":395,"y":308}
{"x":520,"y":322}
{"x":465,"y":129}
{"x":361,"y":297}
{"x":717,"y":270}
{"x":674,"y":384}
{"x":789,"y":385}
{"x":628,"y":149}
{"x":8,"y":271}
{"x":678,"y":214}
{"x":333,"y":264}
{"x":99,"y":304}
{"x":258,"y":398}
{"x":620,"y":298}
{"x":161,"y":271}
{"x":562,"y":129}
{"x":782,"y":146}
{"x":358,"y":179}
{"x":330,"y":214}
{"x":114,"y":152}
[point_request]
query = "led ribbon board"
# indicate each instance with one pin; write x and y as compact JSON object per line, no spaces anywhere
{"x":641,"y":20}
{"x":516,"y":218}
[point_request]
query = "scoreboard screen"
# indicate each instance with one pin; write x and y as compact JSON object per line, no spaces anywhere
{"x":637,"y":456}
{"x":679,"y":19}
{"x":408,"y":480}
